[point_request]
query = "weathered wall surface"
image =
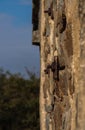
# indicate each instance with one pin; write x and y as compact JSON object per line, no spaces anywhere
{"x":59,"y":30}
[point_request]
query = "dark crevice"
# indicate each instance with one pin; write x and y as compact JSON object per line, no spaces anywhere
{"x":63,"y":23}
{"x":35,"y":14}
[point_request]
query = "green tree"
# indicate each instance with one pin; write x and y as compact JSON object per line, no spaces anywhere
{"x":19,"y":102}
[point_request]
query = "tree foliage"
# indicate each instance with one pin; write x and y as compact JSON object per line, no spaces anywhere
{"x":19,"y":102}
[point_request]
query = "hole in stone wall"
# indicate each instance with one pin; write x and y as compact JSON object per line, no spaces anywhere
{"x":63,"y":22}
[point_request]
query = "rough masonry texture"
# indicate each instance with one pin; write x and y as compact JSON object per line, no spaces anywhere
{"x":59,"y":31}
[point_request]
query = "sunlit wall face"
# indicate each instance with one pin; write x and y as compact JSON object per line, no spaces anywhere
{"x":16,"y":50}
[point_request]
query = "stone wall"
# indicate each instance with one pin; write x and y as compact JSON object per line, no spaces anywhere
{"x":60,"y":33}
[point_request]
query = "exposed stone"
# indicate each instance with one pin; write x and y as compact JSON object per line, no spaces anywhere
{"x":61,"y":28}
{"x":36,"y":38}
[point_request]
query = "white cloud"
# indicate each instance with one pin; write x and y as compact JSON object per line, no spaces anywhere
{"x":5,"y":19}
{"x":16,"y":50}
{"x":9,"y":34}
{"x":26,"y":2}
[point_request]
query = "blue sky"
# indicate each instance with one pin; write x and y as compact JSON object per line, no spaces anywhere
{"x":16,"y":50}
